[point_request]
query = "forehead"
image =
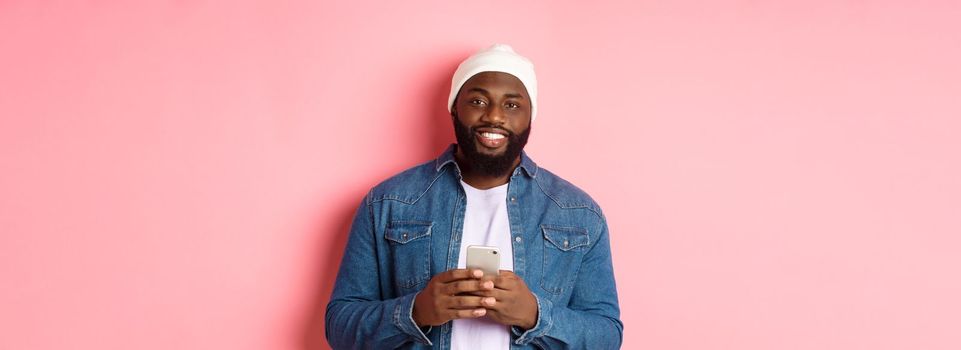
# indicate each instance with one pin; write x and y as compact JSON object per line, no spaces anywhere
{"x":497,"y":83}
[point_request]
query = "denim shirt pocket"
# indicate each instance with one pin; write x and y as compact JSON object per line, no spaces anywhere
{"x":564,"y":246}
{"x":409,"y":243}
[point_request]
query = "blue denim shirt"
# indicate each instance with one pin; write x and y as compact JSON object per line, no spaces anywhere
{"x":408,"y":229}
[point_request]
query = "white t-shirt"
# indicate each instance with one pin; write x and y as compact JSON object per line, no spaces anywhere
{"x":485,"y":223}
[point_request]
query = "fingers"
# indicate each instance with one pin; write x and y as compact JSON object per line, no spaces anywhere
{"x":458,"y":274}
{"x":507,"y":280}
{"x":467,"y":286}
{"x":470,"y":302}
{"x":474,"y":313}
{"x":470,"y":306}
{"x":485,"y":293}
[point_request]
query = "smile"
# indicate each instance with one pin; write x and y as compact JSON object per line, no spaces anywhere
{"x":491,"y":138}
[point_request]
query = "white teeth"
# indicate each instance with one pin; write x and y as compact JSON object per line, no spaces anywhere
{"x":492,"y":136}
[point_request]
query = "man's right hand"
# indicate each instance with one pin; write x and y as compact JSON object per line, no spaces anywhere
{"x":447,"y":297}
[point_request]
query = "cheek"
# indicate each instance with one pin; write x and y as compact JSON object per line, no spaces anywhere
{"x":468,"y":114}
{"x":521,"y":121}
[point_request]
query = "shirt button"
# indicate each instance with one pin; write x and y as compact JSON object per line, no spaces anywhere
{"x":404,"y":236}
{"x":566,"y":243}
{"x":513,"y":199}
{"x":517,"y":239}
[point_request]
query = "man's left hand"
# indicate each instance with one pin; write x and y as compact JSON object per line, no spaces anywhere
{"x":513,"y":304}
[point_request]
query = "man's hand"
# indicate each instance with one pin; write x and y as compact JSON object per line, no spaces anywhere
{"x":514,"y":304}
{"x":451,"y":295}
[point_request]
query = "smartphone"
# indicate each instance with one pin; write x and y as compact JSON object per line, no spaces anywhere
{"x":484,"y":258}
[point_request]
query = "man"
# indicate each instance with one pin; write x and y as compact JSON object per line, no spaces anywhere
{"x":403,"y":283}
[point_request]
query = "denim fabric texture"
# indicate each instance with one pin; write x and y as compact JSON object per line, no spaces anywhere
{"x":408,"y":228}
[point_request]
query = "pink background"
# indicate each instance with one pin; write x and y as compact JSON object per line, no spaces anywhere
{"x":181,"y":174}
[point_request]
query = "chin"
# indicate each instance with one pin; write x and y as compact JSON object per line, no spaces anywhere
{"x":497,"y":153}
{"x":490,"y":152}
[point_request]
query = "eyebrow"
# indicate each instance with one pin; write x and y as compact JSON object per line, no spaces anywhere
{"x":510,"y":94}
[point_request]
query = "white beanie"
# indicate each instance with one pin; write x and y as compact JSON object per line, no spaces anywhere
{"x":497,"y":58}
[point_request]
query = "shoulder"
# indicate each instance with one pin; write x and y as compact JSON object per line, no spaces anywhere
{"x":564,"y":193}
{"x":408,"y":185}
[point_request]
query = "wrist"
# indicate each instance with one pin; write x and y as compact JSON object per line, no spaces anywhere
{"x":531,"y":320}
{"x":415,"y":313}
{"x":528,"y":324}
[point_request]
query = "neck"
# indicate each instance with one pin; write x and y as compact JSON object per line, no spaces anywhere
{"x":478,"y":179}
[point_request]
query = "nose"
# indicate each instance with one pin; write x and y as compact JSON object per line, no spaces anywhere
{"x":495,"y":115}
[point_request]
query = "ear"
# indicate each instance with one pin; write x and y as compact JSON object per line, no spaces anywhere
{"x":453,"y":107}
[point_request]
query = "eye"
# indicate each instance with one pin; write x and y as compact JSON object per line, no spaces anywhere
{"x":513,"y":105}
{"x":478,"y":102}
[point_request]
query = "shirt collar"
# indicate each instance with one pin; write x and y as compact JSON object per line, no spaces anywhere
{"x":448,"y":158}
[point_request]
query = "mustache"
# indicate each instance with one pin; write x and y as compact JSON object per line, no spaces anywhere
{"x":491,"y":126}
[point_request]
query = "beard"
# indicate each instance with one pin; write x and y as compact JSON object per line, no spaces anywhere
{"x":490,"y":165}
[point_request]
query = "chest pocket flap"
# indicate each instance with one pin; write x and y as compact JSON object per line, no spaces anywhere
{"x":566,"y":238}
{"x":402,"y":232}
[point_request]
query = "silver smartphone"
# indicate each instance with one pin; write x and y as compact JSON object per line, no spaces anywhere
{"x":484,"y":258}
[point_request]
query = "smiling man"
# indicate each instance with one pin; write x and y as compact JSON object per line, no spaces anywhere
{"x":403,"y":281}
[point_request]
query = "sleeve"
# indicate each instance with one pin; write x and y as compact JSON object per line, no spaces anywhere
{"x":356,"y":317}
{"x":592,"y":318}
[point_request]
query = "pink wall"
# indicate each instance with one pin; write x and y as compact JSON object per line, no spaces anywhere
{"x":180,"y":175}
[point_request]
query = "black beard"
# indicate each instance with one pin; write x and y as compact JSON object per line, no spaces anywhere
{"x":491,"y":166}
